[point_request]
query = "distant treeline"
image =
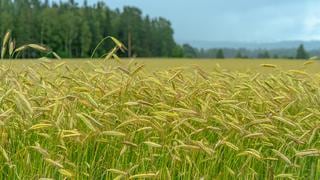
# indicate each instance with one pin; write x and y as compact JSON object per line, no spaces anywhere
{"x":297,"y":53}
{"x":74,"y":30}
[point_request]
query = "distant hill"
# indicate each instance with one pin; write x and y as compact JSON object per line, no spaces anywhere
{"x":309,"y":45}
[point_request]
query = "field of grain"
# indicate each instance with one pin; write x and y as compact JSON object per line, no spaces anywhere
{"x":156,"y":64}
{"x":160,"y":119}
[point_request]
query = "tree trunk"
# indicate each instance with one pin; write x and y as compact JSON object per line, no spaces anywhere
{"x":129,"y":45}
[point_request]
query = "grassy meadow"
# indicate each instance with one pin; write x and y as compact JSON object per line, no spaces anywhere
{"x":159,"y":119}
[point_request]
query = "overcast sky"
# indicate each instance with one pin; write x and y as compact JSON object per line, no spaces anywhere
{"x":234,"y":20}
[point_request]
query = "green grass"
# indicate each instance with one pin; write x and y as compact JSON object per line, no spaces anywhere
{"x":170,"y":119}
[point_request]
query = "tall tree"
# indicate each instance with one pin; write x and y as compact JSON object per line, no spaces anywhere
{"x":73,"y":30}
{"x":85,"y":39}
{"x":302,"y":53}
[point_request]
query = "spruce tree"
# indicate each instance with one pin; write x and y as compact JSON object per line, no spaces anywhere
{"x":301,"y":53}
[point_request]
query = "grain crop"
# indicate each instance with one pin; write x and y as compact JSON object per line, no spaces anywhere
{"x":102,"y":121}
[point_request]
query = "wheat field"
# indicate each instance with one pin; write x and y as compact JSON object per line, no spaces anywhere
{"x":169,"y":119}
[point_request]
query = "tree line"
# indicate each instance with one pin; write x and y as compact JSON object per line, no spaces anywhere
{"x":242,"y":53}
{"x":74,"y":30}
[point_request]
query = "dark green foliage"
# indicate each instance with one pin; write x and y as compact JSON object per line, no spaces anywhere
{"x":220,"y":54}
{"x":301,"y":53}
{"x":253,"y":53}
{"x":264,"y":55}
{"x":189,"y":51}
{"x":74,"y":31}
{"x":178,"y":51}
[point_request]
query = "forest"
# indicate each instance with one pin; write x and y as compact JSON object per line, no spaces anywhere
{"x":215,"y":113}
{"x":73,"y":30}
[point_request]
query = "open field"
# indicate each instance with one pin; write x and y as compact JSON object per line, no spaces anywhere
{"x":170,"y":119}
{"x":154,"y":64}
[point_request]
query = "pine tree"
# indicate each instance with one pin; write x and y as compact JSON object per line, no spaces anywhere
{"x":73,"y":31}
{"x":301,"y":53}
